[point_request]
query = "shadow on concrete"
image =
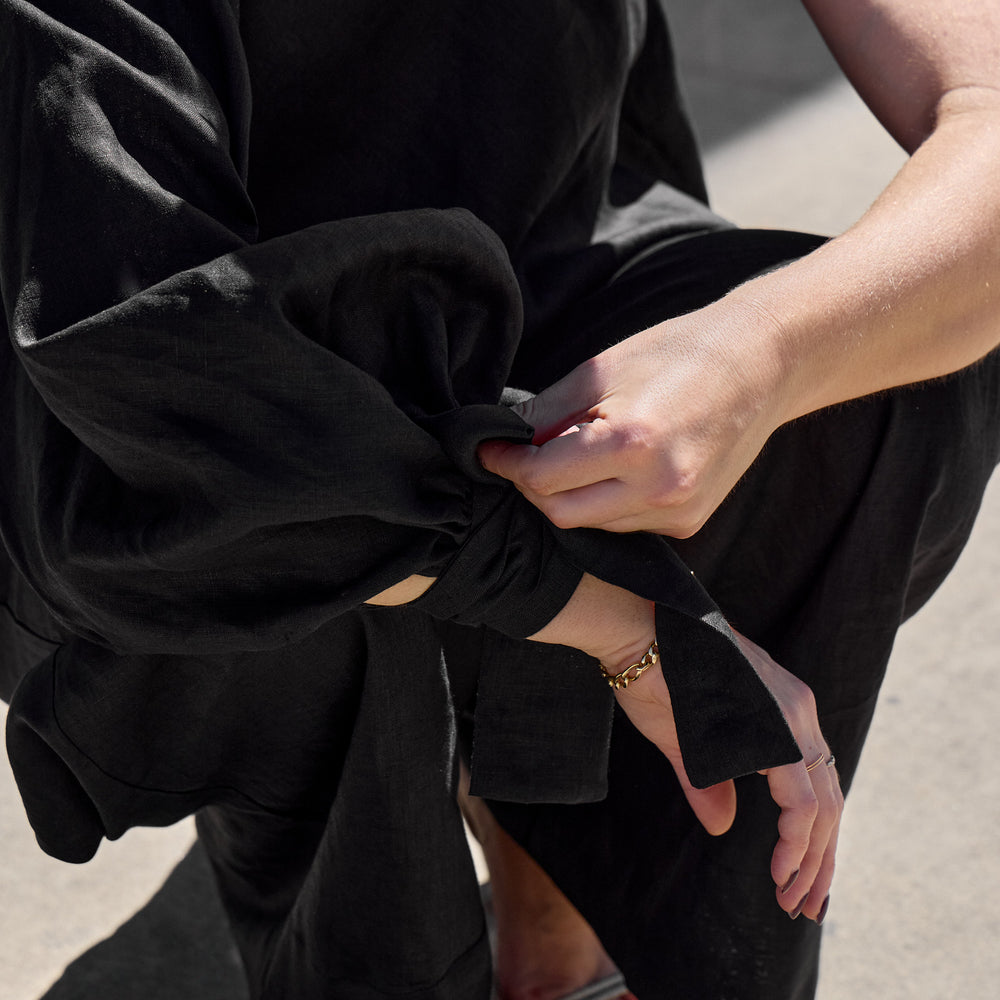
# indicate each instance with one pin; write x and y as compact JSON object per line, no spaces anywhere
{"x":176,"y":947}
{"x":743,"y":61}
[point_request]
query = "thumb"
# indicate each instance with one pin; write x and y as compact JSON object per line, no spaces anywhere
{"x":557,"y":408}
{"x":714,"y":806}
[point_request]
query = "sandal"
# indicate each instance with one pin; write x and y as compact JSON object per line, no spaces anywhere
{"x":609,"y":988}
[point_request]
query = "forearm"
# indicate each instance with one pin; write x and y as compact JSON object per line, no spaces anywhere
{"x":603,"y":620}
{"x":609,"y":623}
{"x":403,"y":592}
{"x":909,"y":293}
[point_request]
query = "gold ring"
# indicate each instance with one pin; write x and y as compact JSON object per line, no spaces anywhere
{"x":816,"y":763}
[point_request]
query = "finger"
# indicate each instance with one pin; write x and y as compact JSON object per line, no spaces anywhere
{"x":616,"y":505}
{"x":814,"y":869}
{"x":564,"y":463}
{"x":505,"y":459}
{"x":815,"y":905}
{"x":648,"y":707}
{"x":715,"y":806}
{"x":824,"y":829}
{"x":792,"y":790}
{"x":676,"y":521}
{"x":593,"y":506}
{"x":819,"y":891}
{"x":564,"y":403}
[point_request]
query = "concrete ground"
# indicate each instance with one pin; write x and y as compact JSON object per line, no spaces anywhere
{"x":915,"y":910}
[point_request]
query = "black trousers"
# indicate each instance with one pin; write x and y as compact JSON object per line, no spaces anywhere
{"x":844,"y":527}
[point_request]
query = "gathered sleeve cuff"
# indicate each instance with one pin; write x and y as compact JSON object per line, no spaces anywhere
{"x":216,"y":444}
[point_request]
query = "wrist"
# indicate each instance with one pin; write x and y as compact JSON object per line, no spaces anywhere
{"x":765,"y":355}
{"x":605,"y":621}
{"x":620,"y":676}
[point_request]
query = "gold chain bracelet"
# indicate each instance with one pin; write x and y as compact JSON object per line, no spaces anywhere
{"x":634,"y":670}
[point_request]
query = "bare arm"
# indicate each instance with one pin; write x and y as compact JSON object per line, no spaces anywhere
{"x":903,"y":56}
{"x":616,"y":627}
{"x":917,"y":279}
{"x":672,"y":417}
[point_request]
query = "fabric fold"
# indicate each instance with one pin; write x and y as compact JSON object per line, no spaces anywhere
{"x":217,"y":446}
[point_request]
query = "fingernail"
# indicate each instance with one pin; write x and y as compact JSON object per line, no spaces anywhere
{"x":821,"y":916}
{"x":798,"y":909}
{"x":790,"y":882}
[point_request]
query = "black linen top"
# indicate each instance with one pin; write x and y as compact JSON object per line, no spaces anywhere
{"x":265,"y":268}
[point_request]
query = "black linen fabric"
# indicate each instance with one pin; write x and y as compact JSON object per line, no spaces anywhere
{"x":841,"y":529}
{"x":266,"y":271}
{"x":216,"y":443}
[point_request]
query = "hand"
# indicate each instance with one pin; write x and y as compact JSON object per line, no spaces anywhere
{"x":811,"y":801}
{"x":653,"y":433}
{"x":616,"y":627}
{"x":808,"y":793}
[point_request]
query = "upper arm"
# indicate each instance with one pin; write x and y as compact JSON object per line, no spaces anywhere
{"x":905,"y":56}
